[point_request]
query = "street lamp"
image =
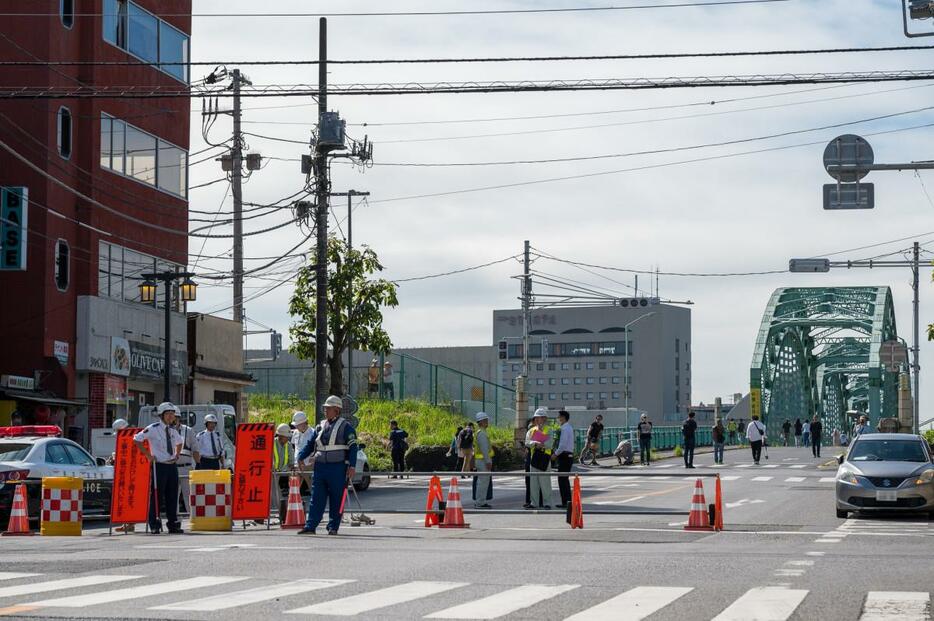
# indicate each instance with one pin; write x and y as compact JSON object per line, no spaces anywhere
{"x":188,"y":292}
{"x":626,"y":358}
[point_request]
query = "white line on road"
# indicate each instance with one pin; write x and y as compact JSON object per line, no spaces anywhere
{"x":795,"y":479}
{"x":815,"y":553}
{"x":901,"y":605}
{"x":771,"y":466}
{"x":827,"y":479}
{"x":731,"y":477}
{"x":618,"y":502}
{"x":119,"y":595}
{"x":800,"y":563}
{"x":744,"y":465}
{"x":763,"y":604}
{"x":667,"y":466}
{"x":789,"y":573}
{"x":799,"y":466}
{"x":56,"y":585}
{"x":13,"y":575}
{"x":633,"y":605}
{"x":827,"y":541}
{"x":762,"y":479}
{"x":251,"y":596}
{"x":504,"y":603}
{"x":366,"y":602}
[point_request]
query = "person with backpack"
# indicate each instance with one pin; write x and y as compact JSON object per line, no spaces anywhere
{"x":718,"y":435}
{"x":755,"y":433}
{"x":466,"y":447}
{"x":645,"y":440}
{"x":688,"y":429}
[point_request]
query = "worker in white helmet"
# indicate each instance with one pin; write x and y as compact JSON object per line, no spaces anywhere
{"x":283,"y":462}
{"x":300,"y":434}
{"x":208,"y":450}
{"x":334,"y":445}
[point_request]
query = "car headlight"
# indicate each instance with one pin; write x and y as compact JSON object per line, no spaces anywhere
{"x":845,"y":476}
{"x":925,"y":477}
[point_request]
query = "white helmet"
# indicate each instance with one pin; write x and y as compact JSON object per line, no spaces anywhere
{"x":120,"y":424}
{"x":166,"y":406}
{"x":284,"y":430}
{"x":298,"y":418}
{"x":210,"y":418}
{"x":482,"y":416}
{"x":540,"y":412}
{"x":333,"y":402}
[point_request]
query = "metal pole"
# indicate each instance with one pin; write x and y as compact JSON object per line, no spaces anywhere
{"x":350,"y":307}
{"x":916,"y":251}
{"x":166,"y":396}
{"x":236,"y":160}
{"x":626,"y":369}
{"x":321,"y":222}
{"x":526,"y":310}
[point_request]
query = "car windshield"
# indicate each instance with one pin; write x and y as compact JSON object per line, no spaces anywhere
{"x":14,"y":452}
{"x":888,"y":450}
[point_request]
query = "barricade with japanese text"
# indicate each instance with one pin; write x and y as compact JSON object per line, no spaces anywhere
{"x":253,"y":471}
{"x":210,"y":500}
{"x":62,"y":506}
{"x":129,"y":501}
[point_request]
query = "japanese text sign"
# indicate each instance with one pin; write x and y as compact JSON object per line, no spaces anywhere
{"x":130,"y":497}
{"x":253,"y":471}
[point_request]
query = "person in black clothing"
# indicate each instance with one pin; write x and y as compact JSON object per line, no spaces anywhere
{"x":398,"y":446}
{"x":798,"y":430}
{"x":645,"y":440}
{"x":688,"y":428}
{"x":593,"y":437}
{"x":564,"y":456}
{"x":786,"y":431}
{"x":816,"y":430}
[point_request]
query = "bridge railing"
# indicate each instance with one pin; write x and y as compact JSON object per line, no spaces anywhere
{"x":663,"y":438}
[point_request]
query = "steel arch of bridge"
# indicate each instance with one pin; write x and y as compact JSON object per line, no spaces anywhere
{"x":818,"y":352}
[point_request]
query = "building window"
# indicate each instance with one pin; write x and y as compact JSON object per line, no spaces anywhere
{"x":565,"y":396}
{"x":515,"y":368}
{"x":64,"y":132}
{"x":62,"y":265}
{"x":539,"y":382}
{"x":552,"y":381}
{"x":552,"y":396}
{"x":615,"y":395}
{"x":614,"y":365}
{"x":120,"y":272}
{"x":578,"y":380}
{"x":551,"y":366}
{"x":603,"y":395}
{"x":589,"y":366}
{"x":577,"y":396}
{"x":577,"y":366}
{"x":590,"y":380}
{"x":602,"y":366}
{"x":603,"y":380}
{"x":677,"y":345}
{"x":539,"y":367}
{"x":590,"y":395}
{"x":142,"y":34}
{"x":565,"y":366}
{"x":130,"y":151}
{"x":614,"y":380}
{"x":67,"y":12}
{"x":565,"y":381}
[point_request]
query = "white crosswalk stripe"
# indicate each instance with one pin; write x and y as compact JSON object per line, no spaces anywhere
{"x":13,"y":575}
{"x":795,"y":479}
{"x":762,"y":479}
{"x":252,"y":596}
{"x":373,"y":600}
{"x":731,"y":477}
{"x":900,"y":605}
{"x":148,"y":590}
{"x":504,"y":603}
{"x":827,"y":479}
{"x":632,"y":605}
{"x":58,"y":585}
{"x":763,"y":604}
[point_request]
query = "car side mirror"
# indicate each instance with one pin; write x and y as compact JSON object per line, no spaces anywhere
{"x":840,"y":459}
{"x":101,"y":461}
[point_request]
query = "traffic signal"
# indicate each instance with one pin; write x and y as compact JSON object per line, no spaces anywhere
{"x":502,"y":349}
{"x":275,"y":345}
{"x":638,"y":302}
{"x":809,"y":265}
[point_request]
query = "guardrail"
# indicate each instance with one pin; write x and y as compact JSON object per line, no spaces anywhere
{"x":663,"y":438}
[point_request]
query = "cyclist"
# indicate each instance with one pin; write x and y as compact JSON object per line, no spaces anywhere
{"x":593,"y":438}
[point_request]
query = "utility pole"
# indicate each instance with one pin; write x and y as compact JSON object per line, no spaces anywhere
{"x":522,"y":401}
{"x":321,"y":223}
{"x":916,"y":364}
{"x":236,"y":162}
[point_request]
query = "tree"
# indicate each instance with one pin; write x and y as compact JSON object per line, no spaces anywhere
{"x":355,"y":304}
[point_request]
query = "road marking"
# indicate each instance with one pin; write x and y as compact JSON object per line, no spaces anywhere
{"x":743,"y":501}
{"x":789,"y":573}
{"x":799,"y":466}
{"x":13,"y":575}
{"x":504,"y":603}
{"x":663,"y":478}
{"x":815,"y":553}
{"x":667,"y":466}
{"x":251,"y":596}
{"x":827,"y":541}
{"x":633,"y":605}
{"x":731,"y":477}
{"x":119,"y":595}
{"x":618,"y":502}
{"x":762,"y":479}
{"x":770,"y":466}
{"x":795,"y":479}
{"x":56,"y":585}
{"x":901,"y":605}
{"x":800,"y":563}
{"x":744,"y":465}
{"x":828,"y":479}
{"x":764,"y":604}
{"x":366,"y":602}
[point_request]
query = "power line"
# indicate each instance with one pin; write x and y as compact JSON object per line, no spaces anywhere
{"x":458,"y":271}
{"x":688,"y":274}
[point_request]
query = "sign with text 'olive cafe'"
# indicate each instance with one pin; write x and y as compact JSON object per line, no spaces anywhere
{"x":253,"y":471}
{"x":14,"y":219}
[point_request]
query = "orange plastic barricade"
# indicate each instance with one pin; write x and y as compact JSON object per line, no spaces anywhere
{"x":295,"y":512}
{"x":435,"y":494}
{"x":718,"y":503}
{"x":62,"y":506}
{"x":19,"y":514}
{"x":698,"y":519}
{"x":454,"y":511}
{"x":253,"y":471}
{"x":129,"y":498}
{"x":577,"y":507}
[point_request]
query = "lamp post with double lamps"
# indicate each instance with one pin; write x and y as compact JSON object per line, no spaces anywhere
{"x":187,"y":291}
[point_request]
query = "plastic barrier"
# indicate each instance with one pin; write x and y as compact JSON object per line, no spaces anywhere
{"x":454,"y":511}
{"x":62,"y":506}
{"x":19,"y":514}
{"x":210,"y":500}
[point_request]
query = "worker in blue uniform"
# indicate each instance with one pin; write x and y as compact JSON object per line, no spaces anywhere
{"x":334,"y":445}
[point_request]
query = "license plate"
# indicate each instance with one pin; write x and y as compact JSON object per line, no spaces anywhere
{"x":886,"y":495}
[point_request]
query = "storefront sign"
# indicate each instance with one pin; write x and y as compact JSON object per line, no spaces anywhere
{"x":130,"y":500}
{"x":14,"y":217}
{"x":119,"y":356}
{"x":148,"y":362}
{"x":115,"y":390}
{"x":60,"y":349}
{"x":17,"y":381}
{"x":253,"y":474}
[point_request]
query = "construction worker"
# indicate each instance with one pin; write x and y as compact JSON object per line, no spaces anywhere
{"x":539,"y":443}
{"x":208,"y":449}
{"x":484,"y":456}
{"x":283,"y":461}
{"x":300,"y":434}
{"x":334,"y":444}
{"x":162,"y":445}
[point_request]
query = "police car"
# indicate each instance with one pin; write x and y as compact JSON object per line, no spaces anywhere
{"x":28,"y":453}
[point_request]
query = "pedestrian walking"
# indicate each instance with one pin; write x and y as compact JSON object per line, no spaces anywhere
{"x":564,"y":456}
{"x":372,"y":378}
{"x":162,"y":445}
{"x":688,"y":439}
{"x":454,"y":449}
{"x":483,"y":482}
{"x":398,"y":446}
{"x":731,"y":430}
{"x":645,"y":440}
{"x":208,"y":451}
{"x":806,"y":433}
{"x":334,"y":444}
{"x":861,"y":427}
{"x":755,"y":433}
{"x":799,"y":429}
{"x":817,"y":429}
{"x":594,"y":432}
{"x":387,"y":381}
{"x":741,"y":431}
{"x":718,"y":436}
{"x":786,"y":432}
{"x":539,"y":443}
{"x":283,"y":460}
{"x":466,"y":447}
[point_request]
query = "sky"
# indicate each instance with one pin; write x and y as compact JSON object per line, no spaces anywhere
{"x":738,"y":213}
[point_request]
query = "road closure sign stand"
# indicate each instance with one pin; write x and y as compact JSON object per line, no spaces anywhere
{"x":253,"y":472}
{"x":129,"y":500}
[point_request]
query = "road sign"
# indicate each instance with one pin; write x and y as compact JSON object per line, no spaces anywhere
{"x":849,"y":196}
{"x":847,"y":150}
{"x":809,"y":265}
{"x":893,"y":354}
{"x":350,"y":406}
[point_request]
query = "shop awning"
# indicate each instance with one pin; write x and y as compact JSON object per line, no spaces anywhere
{"x":234,"y":377}
{"x":40,"y":398}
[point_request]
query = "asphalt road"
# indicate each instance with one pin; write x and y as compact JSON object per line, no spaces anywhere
{"x":783,"y":555}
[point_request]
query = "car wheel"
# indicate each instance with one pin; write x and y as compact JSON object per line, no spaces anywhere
{"x":842,"y":514}
{"x":364,"y":480}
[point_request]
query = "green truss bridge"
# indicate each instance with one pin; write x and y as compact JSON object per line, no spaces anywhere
{"x":818,"y":352}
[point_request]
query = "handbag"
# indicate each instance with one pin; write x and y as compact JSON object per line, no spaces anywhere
{"x":540,"y":460}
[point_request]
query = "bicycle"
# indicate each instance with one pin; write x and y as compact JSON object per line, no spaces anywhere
{"x":589,"y":453}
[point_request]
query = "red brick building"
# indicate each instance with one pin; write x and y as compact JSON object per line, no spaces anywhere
{"x":106,"y":182}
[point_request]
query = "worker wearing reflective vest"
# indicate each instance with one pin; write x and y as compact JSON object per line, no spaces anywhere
{"x":483,"y":453}
{"x":334,"y":444}
{"x":283,"y":458}
{"x":538,"y":441}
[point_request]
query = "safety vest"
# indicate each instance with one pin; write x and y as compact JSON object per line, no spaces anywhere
{"x":279,"y":461}
{"x":550,"y":432}
{"x":332,"y":452}
{"x":477,"y":454}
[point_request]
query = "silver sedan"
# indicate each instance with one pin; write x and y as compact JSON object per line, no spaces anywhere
{"x":886,"y":472}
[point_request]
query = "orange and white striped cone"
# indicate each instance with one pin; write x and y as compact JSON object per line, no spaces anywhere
{"x":295,"y":511}
{"x":454,"y":511}
{"x":698,"y":518}
{"x":19,"y":515}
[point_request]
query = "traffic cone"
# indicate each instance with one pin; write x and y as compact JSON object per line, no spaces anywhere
{"x":454,"y":511}
{"x":295,"y":512}
{"x":698,"y":518}
{"x":435,"y":493}
{"x":19,"y":515}
{"x":718,"y":502}
{"x":577,"y":508}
